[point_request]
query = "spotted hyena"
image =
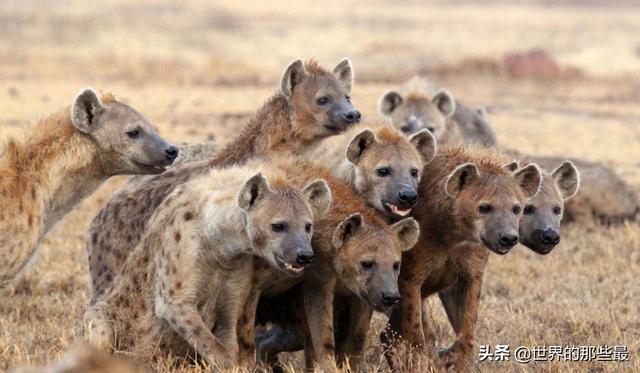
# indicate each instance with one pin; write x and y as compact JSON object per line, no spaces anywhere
{"x":64,"y":159}
{"x":184,"y":286}
{"x":312,"y":104}
{"x":470,"y":201}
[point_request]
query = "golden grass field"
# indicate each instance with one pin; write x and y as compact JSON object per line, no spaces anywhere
{"x":197,"y":68}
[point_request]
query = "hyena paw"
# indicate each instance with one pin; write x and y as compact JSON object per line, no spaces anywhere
{"x":458,"y":355}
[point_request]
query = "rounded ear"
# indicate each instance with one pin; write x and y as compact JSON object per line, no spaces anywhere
{"x":425,"y":143}
{"x":84,"y":110}
{"x":462,"y":176}
{"x":529,"y":178}
{"x":359,"y":144}
{"x":408,"y":231}
{"x":389,"y":102}
{"x":567,"y":177}
{"x":348,"y":227}
{"x":445,"y":102}
{"x":344,"y":72}
{"x":252,"y":191}
{"x":318,"y":195}
{"x":511,"y":166}
{"x":293,"y":75}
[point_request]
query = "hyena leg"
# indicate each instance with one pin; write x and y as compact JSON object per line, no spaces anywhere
{"x":465,"y":296}
{"x":453,"y":307}
{"x":352,"y":344}
{"x":97,"y":329}
{"x":280,"y":338}
{"x":318,"y":308}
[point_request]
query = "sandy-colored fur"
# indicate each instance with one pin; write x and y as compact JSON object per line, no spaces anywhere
{"x":47,"y":172}
{"x":283,"y":125}
{"x":191,"y":270}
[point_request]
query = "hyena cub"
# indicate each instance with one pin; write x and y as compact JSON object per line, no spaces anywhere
{"x":470,"y":201}
{"x":418,"y":104}
{"x":357,"y":253}
{"x":184,"y":286}
{"x":311,"y":104}
{"x":64,"y":159}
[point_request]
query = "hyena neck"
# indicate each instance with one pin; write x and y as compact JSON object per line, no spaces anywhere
{"x":61,"y":165}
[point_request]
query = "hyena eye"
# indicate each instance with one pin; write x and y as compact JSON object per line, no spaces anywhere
{"x":307,"y":227}
{"x":348,"y":98}
{"x":366,"y":264}
{"x":383,"y":172}
{"x":485,"y":208}
{"x":557,"y":210}
{"x":396,"y":266}
{"x":414,"y":172}
{"x":133,"y":134}
{"x":529,"y":209}
{"x":322,"y":101}
{"x":277,"y":227}
{"x":516,"y":209}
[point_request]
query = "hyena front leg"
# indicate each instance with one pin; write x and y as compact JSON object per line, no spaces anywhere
{"x":352,"y":344}
{"x":97,"y":329}
{"x":318,"y":308}
{"x":464,"y":301}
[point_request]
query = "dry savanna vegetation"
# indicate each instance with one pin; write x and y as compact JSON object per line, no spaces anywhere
{"x":197,"y":69}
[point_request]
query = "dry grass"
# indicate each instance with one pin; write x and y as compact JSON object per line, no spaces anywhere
{"x":195,"y":69}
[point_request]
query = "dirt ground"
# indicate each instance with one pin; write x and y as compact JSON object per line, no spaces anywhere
{"x":197,"y":69}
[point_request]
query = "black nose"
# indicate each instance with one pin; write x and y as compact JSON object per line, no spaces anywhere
{"x":389,"y":298}
{"x":352,"y":116}
{"x":550,"y":237}
{"x":171,"y":152}
{"x":407,"y":197}
{"x":304,"y":257}
{"x":431,"y":129}
{"x":508,"y":240}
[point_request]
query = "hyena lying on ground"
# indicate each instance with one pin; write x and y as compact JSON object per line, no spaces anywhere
{"x":470,"y":201}
{"x":357,"y":256}
{"x":63,"y":160}
{"x":312,"y":104}
{"x":184,"y":286}
{"x":604,"y":195}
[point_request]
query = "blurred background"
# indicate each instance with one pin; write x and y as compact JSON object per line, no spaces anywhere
{"x":557,"y":77}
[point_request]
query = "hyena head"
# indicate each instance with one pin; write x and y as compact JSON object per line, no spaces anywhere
{"x":490,"y":203}
{"x":127,"y":142}
{"x":388,"y":167}
{"x":367,"y":257}
{"x":418,"y":110}
{"x":279,"y":220}
{"x":320,"y":100}
{"x":540,"y":222}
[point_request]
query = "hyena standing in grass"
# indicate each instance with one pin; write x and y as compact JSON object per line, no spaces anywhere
{"x":357,"y":258}
{"x":470,"y":201}
{"x":312,"y":104}
{"x":184,"y":286}
{"x":63,"y":160}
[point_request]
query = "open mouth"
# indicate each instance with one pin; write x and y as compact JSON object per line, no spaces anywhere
{"x":496,"y":249}
{"x":292,"y":269}
{"x":393,"y":209}
{"x":152,"y":169}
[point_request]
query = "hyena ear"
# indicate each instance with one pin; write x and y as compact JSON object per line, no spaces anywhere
{"x":293,"y":75}
{"x":445,"y":102}
{"x":344,"y":72}
{"x":359,"y":144}
{"x":425,"y":143}
{"x":511,"y":166}
{"x":389,"y":102}
{"x":346,"y":229}
{"x":567,"y":178}
{"x":85,"y":108}
{"x":318,"y":195}
{"x":408,"y":231}
{"x":529,"y":178}
{"x":461,"y":177}
{"x":252,"y":191}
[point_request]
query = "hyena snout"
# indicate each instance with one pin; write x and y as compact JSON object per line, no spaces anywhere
{"x":508,"y":240}
{"x":548,"y":236}
{"x":407,"y":198}
{"x":304,"y":256}
{"x":171,"y":153}
{"x":352,"y":116}
{"x":389,"y":298}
